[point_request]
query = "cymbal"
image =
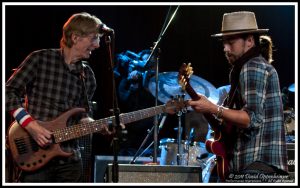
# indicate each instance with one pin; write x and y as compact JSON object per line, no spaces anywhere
{"x":292,"y":88}
{"x":169,"y":87}
{"x":224,"y":88}
{"x":222,"y":93}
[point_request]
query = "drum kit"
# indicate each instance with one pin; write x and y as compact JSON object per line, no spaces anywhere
{"x":183,"y":152}
{"x":193,"y":153}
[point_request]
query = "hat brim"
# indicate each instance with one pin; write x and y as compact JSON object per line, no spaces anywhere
{"x":240,"y":32}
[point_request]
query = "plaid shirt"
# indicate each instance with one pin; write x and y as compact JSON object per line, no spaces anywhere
{"x":51,"y":87}
{"x":264,"y":140}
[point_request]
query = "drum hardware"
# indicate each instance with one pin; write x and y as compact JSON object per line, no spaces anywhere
{"x":136,"y":156}
{"x":289,"y":122}
{"x":182,"y":157}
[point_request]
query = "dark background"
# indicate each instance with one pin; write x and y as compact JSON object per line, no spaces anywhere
{"x":29,"y":28}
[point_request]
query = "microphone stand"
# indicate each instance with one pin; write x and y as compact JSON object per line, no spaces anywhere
{"x":109,"y":40}
{"x":154,"y":49}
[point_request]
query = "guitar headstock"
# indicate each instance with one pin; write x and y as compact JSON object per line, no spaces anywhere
{"x":185,"y":72}
{"x":176,"y":105}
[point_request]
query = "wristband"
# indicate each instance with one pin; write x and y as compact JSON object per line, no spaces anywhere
{"x":219,"y":114}
{"x":22,"y":117}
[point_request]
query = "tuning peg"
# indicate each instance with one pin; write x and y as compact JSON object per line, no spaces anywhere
{"x":184,"y":110}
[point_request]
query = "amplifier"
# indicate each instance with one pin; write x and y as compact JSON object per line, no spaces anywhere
{"x":101,"y":163}
{"x":134,"y":173}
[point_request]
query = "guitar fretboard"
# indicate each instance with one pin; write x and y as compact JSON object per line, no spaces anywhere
{"x":68,"y":133}
{"x":141,"y":114}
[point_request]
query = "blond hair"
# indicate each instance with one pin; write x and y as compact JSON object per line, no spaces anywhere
{"x":81,"y":24}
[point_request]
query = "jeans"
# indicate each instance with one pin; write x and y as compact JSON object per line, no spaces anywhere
{"x":56,"y":170}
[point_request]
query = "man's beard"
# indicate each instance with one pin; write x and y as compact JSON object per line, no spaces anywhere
{"x":231,"y":58}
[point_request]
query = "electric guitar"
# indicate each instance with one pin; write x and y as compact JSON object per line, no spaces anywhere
{"x":29,"y":156}
{"x":220,"y":145}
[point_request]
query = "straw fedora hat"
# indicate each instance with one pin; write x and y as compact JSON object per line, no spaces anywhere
{"x":239,"y":23}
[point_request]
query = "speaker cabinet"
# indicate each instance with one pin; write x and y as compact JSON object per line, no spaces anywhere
{"x":134,"y":173}
{"x":291,"y":159}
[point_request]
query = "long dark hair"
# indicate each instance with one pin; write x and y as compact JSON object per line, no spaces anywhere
{"x":266,"y":47}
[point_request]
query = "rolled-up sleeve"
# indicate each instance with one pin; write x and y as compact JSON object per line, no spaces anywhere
{"x":253,"y":78}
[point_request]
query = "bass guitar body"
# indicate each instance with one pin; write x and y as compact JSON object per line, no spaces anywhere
{"x":28,"y":155}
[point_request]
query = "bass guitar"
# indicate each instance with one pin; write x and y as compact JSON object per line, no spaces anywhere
{"x":221,"y":144}
{"x":29,"y":156}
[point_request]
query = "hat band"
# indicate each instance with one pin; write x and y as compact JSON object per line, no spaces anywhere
{"x":240,"y":30}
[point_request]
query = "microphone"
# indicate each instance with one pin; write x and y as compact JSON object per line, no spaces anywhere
{"x":103,"y":29}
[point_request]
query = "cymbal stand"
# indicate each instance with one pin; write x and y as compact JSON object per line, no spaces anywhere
{"x":135,"y":157}
{"x":180,"y":154}
{"x":156,"y":50}
{"x":143,"y":143}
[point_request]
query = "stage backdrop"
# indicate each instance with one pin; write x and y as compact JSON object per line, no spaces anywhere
{"x":137,"y":27}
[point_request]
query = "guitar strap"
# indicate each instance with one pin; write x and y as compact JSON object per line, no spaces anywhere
{"x":234,"y":96}
{"x":78,"y":70}
{"x":86,"y":141}
{"x":82,"y":78}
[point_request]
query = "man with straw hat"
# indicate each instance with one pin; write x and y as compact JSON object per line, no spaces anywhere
{"x":255,"y":147}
